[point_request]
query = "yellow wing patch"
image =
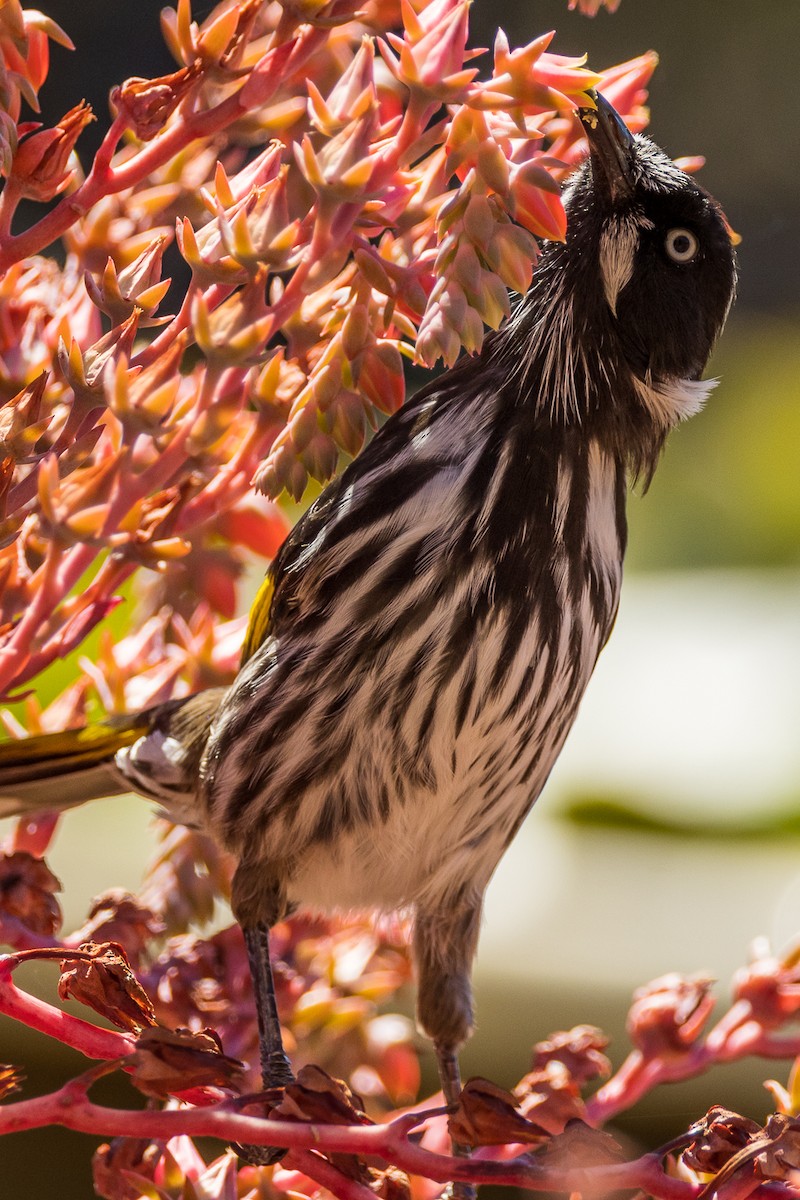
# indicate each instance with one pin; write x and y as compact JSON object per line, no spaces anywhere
{"x":258,"y":625}
{"x":47,"y":753}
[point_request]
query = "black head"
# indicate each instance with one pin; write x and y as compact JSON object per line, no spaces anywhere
{"x":651,"y":250}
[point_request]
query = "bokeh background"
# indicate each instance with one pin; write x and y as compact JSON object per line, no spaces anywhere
{"x":669,"y":837}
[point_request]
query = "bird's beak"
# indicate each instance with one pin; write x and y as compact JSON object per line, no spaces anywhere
{"x":611,"y":149}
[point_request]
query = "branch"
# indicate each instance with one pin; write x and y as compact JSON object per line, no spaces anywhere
{"x":71,"y":1108}
{"x":44,"y":1017}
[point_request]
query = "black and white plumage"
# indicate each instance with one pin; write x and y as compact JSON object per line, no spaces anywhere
{"x":436,"y":616}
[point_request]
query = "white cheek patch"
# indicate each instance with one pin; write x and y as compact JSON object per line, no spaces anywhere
{"x":619,"y":243}
{"x":673,"y":400}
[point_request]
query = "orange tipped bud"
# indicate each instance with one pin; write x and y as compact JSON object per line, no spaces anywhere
{"x":40,"y":165}
{"x":147,"y":103}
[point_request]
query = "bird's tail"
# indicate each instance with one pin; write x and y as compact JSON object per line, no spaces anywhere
{"x":156,"y":752}
{"x":59,"y":770}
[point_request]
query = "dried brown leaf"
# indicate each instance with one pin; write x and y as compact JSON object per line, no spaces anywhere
{"x":780,"y":1158}
{"x":580,"y":1146}
{"x":118,"y":916}
{"x":550,"y":1097}
{"x":487,"y":1116}
{"x":106,"y":983}
{"x":317,"y":1096}
{"x":27,"y":892}
{"x":720,"y":1135}
{"x":166,"y":1061}
{"x":121,"y":1166}
{"x":391,"y":1184}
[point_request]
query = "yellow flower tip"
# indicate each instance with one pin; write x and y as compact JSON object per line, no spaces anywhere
{"x":37,"y":20}
{"x":216,"y":37}
{"x":319,"y":112}
{"x":168,"y":549}
{"x":736,"y":238}
{"x":222,"y":187}
{"x":88,"y":522}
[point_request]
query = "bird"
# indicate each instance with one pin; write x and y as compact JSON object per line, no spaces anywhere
{"x":418,"y":651}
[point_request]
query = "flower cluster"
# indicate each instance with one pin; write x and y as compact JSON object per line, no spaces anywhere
{"x":347,"y":189}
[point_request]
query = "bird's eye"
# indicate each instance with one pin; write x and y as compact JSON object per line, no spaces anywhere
{"x":681,"y":245}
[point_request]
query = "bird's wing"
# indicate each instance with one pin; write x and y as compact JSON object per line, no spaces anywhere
{"x":258,"y":624}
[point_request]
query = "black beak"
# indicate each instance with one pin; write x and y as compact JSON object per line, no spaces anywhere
{"x":611,"y":148}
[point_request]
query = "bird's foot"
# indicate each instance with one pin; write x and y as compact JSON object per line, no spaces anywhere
{"x":260,"y":1156}
{"x":277,"y":1073}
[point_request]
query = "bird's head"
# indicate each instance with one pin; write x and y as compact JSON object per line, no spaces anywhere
{"x":655,"y":247}
{"x":622,"y":317}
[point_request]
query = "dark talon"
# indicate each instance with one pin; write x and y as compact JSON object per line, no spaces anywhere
{"x":260,"y":1156}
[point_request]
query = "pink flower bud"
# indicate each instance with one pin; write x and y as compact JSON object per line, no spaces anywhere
{"x":39,"y":168}
{"x":668,"y":1014}
{"x":771,"y":987}
{"x":146,"y":104}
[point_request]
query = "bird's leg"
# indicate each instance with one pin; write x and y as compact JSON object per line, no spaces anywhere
{"x":258,"y":904}
{"x":276,"y":1070}
{"x":445,"y":939}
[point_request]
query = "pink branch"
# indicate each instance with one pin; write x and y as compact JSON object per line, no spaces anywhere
{"x":16,"y":652}
{"x":737,"y":1035}
{"x":14,"y":932}
{"x":323,"y":1172}
{"x":72,"y":1031}
{"x":71,"y":1108}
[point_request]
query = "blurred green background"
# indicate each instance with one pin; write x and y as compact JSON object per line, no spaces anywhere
{"x":667,"y":839}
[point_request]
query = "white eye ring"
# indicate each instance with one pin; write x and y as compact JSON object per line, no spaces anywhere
{"x":681,"y":245}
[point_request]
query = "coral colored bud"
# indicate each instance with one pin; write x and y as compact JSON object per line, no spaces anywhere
{"x":355,"y":89}
{"x":375,"y":274}
{"x":467,"y":268}
{"x":491,"y":301}
{"x":381,"y":378}
{"x":668,"y":1014}
{"x":138,"y":285}
{"x":455,"y":206}
{"x":346,"y":422}
{"x":771,"y":987}
{"x":356,"y":330}
{"x":256,"y":524}
{"x":39,"y":168}
{"x":472,"y":331}
{"x":146,"y":104}
{"x":511,"y":255}
{"x":217,"y":35}
{"x":480,"y":221}
{"x":302,"y":427}
{"x":324,"y":384}
{"x":492,"y":166}
{"x":625,"y":85}
{"x":320,"y":457}
{"x":536,"y":201}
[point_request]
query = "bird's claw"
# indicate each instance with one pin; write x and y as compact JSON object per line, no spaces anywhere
{"x":260,"y":1156}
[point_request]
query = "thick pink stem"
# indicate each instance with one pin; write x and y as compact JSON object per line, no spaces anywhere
{"x":735,"y":1037}
{"x":390,"y":1143}
{"x":72,"y":1031}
